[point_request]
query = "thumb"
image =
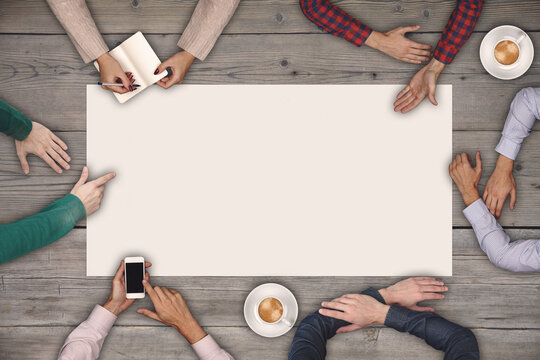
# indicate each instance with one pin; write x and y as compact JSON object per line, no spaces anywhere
{"x":405,"y":29}
{"x":432,"y":96}
{"x":125,"y":81}
{"x":24,"y":163}
{"x":513,"y":195}
{"x":150,"y":314}
{"x":348,"y":328}
{"x":478,"y":166}
{"x":162,"y":67}
{"x":83,"y":178}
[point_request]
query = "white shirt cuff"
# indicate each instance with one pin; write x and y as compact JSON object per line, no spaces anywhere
{"x":508,"y":148}
{"x":101,"y":319}
{"x":476,"y":211}
{"x":205,"y":347}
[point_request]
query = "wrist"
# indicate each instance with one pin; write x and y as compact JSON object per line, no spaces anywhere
{"x":504,"y":164}
{"x":386,"y":295}
{"x":435,"y":65}
{"x":375,"y":40}
{"x":190,"y":330}
{"x":381,"y":314}
{"x":469,"y":196}
{"x":113,"y":307}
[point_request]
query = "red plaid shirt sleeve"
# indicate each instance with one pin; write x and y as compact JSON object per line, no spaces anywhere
{"x":337,"y":22}
{"x":457,"y":31}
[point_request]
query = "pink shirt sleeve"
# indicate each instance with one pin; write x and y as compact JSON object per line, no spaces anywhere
{"x":86,"y":340}
{"x":208,"y":349}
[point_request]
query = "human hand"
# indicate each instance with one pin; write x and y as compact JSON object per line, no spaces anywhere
{"x":394,"y":43}
{"x":179,"y":64}
{"x":500,"y":184}
{"x":360,"y":310}
{"x":117,"y":301}
{"x":43,"y":143}
{"x":466,"y":177}
{"x":111,"y":72}
{"x":407,"y":293}
{"x":171,"y":309}
{"x":422,"y":84}
{"x":90,"y":193}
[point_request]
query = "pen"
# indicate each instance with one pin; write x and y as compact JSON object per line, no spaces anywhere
{"x":116,"y":84}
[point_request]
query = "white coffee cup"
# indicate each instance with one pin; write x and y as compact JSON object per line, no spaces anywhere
{"x":282,"y":319}
{"x":515,"y":41}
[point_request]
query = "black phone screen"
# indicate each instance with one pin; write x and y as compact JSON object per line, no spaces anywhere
{"x":134,"y":277}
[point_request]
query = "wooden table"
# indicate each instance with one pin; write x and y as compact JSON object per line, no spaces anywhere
{"x":45,"y":294}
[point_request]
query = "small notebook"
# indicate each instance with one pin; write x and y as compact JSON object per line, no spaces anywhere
{"x":135,"y":55}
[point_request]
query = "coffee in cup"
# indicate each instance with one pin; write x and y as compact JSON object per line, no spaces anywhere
{"x":270,"y":310}
{"x":506,"y":52}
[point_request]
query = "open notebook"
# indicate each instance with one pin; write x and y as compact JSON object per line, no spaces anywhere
{"x":135,"y":55}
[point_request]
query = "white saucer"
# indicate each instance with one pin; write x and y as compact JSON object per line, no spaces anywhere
{"x":251,"y":307}
{"x":526,"y":53}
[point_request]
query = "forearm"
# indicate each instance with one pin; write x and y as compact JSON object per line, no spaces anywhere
{"x":13,"y":123}
{"x":86,"y":340}
{"x":315,"y":330}
{"x":80,"y":27}
{"x":456,"y":341}
{"x":206,"y":25}
{"x":335,"y":21}
{"x":458,"y":30}
{"x":524,"y":111}
{"x":523,"y":255}
{"x":31,"y":233}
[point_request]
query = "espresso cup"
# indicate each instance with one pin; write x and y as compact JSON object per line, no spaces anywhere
{"x":507,"y":51}
{"x":271,"y":310}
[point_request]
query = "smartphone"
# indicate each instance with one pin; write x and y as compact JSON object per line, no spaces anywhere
{"x":133,"y":276}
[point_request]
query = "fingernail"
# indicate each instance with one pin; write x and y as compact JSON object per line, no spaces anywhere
{"x":446,"y":288}
{"x":68,"y":159}
{"x":67,"y":167}
{"x":156,"y":72}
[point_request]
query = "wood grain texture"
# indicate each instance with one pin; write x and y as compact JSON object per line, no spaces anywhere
{"x":252,"y":16}
{"x":32,"y":62}
{"x":49,"y":287}
{"x":44,"y":294}
{"x":28,"y":194}
{"x":144,"y":342}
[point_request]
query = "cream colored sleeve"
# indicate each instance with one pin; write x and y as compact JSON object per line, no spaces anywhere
{"x":206,"y":24}
{"x":80,"y":27}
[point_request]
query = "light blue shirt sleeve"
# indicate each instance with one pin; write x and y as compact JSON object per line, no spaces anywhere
{"x":524,"y":111}
{"x":520,"y":255}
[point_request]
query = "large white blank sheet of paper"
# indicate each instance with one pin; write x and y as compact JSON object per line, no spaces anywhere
{"x":271,"y":180}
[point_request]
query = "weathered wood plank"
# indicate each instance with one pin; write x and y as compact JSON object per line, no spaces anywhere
{"x":252,"y":16}
{"x":166,"y":343}
{"x":31,"y":63}
{"x":25,"y":195}
{"x":49,"y":287}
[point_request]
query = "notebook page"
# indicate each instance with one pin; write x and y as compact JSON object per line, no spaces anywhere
{"x":143,"y":57}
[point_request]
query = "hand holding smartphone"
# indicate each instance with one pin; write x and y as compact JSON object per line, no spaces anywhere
{"x":134,"y":275}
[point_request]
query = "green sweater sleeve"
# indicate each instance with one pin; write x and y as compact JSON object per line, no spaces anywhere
{"x":13,"y":123}
{"x":48,"y":225}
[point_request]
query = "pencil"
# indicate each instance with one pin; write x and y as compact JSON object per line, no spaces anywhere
{"x":116,"y":84}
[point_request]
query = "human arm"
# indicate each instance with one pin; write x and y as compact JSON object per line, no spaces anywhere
{"x":520,"y":255}
{"x":456,"y":33}
{"x":78,"y":23}
{"x":458,"y":29}
{"x":86,"y":340}
{"x":361,"y":311}
{"x":204,"y":28}
{"x":524,"y":111}
{"x":316,"y":329}
{"x":54,"y":221}
{"x":171,"y":309}
{"x":80,"y":27}
{"x":394,"y":43}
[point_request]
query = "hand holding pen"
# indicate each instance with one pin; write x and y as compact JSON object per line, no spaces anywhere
{"x":113,"y":78}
